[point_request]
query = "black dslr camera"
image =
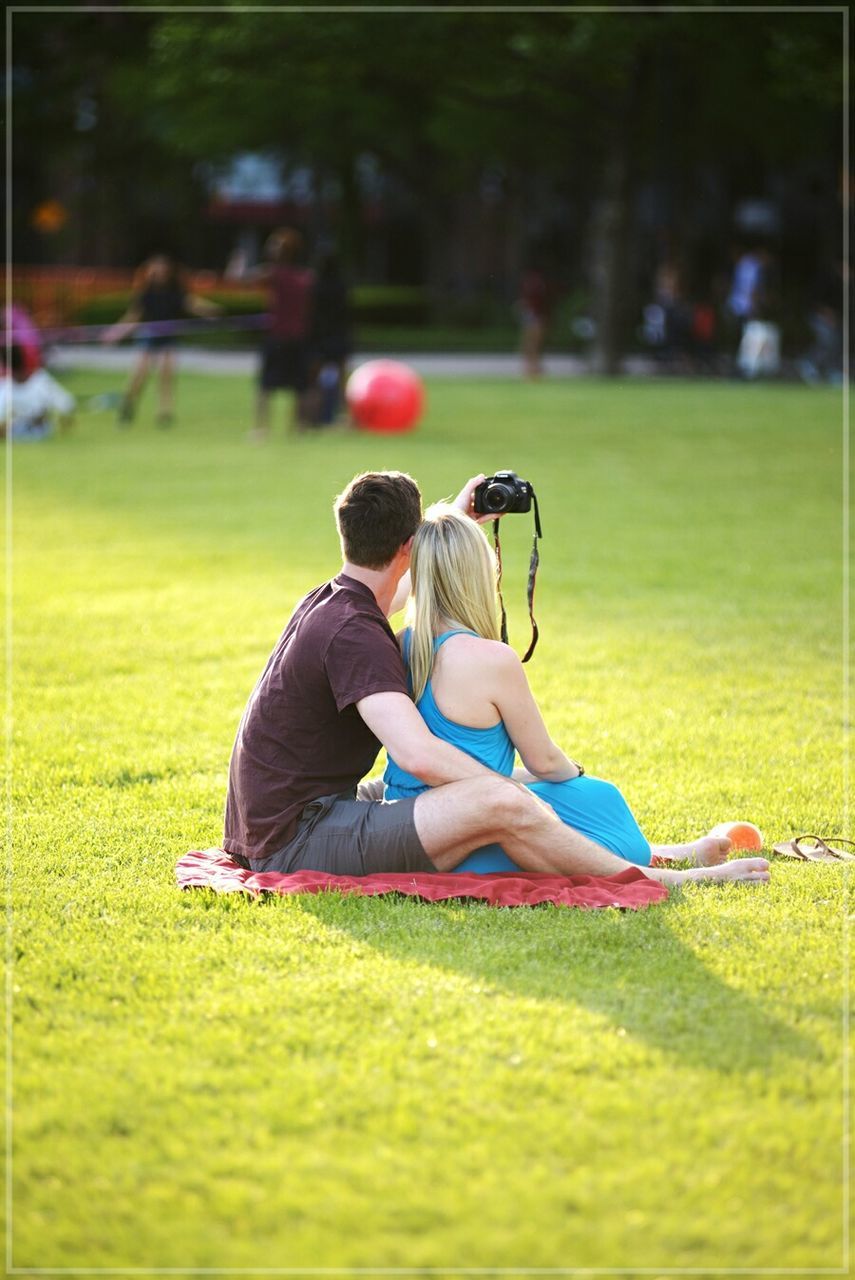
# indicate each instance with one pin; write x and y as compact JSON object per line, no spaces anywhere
{"x":502,"y":493}
{"x":495,"y":496}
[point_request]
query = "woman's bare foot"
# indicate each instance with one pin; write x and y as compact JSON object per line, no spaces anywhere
{"x":707,"y":851}
{"x":753,"y":870}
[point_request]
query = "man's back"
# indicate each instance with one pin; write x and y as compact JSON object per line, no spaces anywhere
{"x":291,"y":292}
{"x":301,"y":736}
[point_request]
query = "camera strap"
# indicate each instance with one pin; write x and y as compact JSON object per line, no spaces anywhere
{"x":533,"y":564}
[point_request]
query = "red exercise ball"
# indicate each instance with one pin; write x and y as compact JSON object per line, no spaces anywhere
{"x":385,"y":395}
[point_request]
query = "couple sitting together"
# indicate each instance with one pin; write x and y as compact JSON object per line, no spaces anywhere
{"x":448,"y":701}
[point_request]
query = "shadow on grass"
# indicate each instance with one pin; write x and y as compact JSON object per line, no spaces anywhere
{"x":630,"y":968}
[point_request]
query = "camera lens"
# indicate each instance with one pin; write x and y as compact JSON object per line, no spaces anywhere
{"x":498,"y":497}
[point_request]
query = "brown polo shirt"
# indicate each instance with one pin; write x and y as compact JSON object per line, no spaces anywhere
{"x":301,"y":736}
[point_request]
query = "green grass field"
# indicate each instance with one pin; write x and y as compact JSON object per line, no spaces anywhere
{"x":361,"y":1083}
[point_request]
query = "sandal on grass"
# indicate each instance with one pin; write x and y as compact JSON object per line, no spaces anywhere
{"x":815,"y":849}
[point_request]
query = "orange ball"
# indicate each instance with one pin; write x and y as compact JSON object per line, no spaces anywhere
{"x":743,"y":835}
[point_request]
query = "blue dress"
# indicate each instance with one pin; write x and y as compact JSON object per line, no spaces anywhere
{"x":589,"y":805}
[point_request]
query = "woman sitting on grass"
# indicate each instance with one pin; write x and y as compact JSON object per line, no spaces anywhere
{"x":472,"y":691}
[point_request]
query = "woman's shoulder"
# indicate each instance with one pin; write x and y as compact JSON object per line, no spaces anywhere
{"x":467,"y":647}
{"x":468,"y":679}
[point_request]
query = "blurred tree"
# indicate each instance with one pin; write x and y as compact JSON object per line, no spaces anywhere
{"x":440,"y":96}
{"x":98,"y":152}
{"x":591,"y":103}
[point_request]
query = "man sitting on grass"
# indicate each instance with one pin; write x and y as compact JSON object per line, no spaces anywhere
{"x":334,"y":690}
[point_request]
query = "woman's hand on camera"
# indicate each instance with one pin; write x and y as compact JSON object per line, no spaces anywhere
{"x":465,"y":500}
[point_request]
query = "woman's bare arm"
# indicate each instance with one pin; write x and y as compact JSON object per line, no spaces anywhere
{"x":125,"y":325}
{"x":513,"y":699}
{"x":201,"y":307}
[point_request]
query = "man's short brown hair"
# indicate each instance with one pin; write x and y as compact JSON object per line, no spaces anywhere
{"x":375,"y":515}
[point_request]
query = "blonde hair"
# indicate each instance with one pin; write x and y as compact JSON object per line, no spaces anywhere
{"x":453,"y":574}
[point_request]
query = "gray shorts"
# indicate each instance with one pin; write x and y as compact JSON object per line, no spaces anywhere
{"x":347,"y":836}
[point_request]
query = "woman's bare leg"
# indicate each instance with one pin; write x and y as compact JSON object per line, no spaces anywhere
{"x":139,"y":375}
{"x":134,"y":387}
{"x":165,"y":387}
{"x":532,"y":345}
{"x":261,"y":430}
{"x":706,"y":851}
{"x":753,"y":870}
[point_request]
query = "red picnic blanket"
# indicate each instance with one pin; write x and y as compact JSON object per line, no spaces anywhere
{"x":214,"y":869}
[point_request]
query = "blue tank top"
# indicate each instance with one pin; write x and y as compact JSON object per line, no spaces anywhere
{"x":492,"y":746}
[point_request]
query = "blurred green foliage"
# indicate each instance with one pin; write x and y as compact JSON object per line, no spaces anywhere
{"x":370,"y":304}
{"x":435,"y":96}
{"x":126,"y":114}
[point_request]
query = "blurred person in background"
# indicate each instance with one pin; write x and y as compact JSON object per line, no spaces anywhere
{"x":759,"y":352}
{"x":704,"y":333}
{"x":161,"y":300}
{"x":751,"y":308}
{"x":285,"y":353}
{"x":745,"y":284}
{"x":20,"y":330}
{"x":534,"y":307}
{"x":330,"y":342}
{"x":668,"y":318}
{"x":31,"y":401}
{"x":824,"y":361}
